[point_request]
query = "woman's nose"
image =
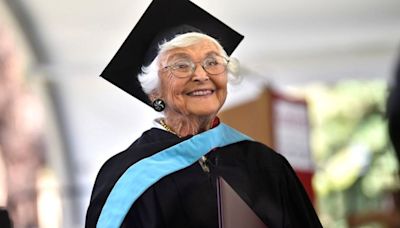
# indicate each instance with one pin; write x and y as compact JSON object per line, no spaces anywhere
{"x":199,"y":74}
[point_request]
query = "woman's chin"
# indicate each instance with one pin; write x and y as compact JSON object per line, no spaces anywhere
{"x":202,"y":112}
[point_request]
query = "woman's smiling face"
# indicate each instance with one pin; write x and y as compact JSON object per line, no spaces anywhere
{"x":200,"y":94}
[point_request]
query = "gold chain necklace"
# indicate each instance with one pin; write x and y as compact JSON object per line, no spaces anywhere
{"x":202,"y":160}
{"x":166,"y":127}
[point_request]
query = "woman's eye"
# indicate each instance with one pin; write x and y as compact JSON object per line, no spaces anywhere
{"x":181,"y":66}
{"x":211,"y":62}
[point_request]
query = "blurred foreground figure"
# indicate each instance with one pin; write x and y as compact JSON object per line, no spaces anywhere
{"x":20,"y":136}
{"x":177,"y":60}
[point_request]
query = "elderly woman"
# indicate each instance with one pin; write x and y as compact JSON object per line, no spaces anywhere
{"x":167,"y":177}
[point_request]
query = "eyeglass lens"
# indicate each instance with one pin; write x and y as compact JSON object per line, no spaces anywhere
{"x":185,"y":67}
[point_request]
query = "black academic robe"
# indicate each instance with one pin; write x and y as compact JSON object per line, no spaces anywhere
{"x":188,"y":198}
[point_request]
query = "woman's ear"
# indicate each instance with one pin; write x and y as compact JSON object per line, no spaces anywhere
{"x":157,"y":103}
{"x":155,"y":94}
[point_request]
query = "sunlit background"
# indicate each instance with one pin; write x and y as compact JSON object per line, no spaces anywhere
{"x":331,"y":62}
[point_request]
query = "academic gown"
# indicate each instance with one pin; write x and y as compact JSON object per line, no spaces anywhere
{"x":188,"y":197}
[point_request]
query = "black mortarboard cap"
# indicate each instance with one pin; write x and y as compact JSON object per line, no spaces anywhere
{"x":162,"y":21}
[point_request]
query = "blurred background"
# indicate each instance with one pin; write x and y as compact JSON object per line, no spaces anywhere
{"x":316,"y":80}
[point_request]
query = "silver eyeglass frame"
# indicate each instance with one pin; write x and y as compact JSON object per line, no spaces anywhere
{"x":194,"y":67}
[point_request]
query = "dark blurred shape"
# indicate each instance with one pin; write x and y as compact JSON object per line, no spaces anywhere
{"x":5,"y":221}
{"x":393,"y":111}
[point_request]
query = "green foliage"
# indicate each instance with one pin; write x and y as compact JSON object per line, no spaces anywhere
{"x":355,"y":163}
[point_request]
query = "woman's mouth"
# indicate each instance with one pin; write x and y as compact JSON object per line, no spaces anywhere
{"x":203,"y":92}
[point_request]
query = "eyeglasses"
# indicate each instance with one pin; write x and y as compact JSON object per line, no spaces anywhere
{"x":183,"y":68}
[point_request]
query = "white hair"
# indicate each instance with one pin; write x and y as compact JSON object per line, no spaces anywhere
{"x":149,"y":79}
